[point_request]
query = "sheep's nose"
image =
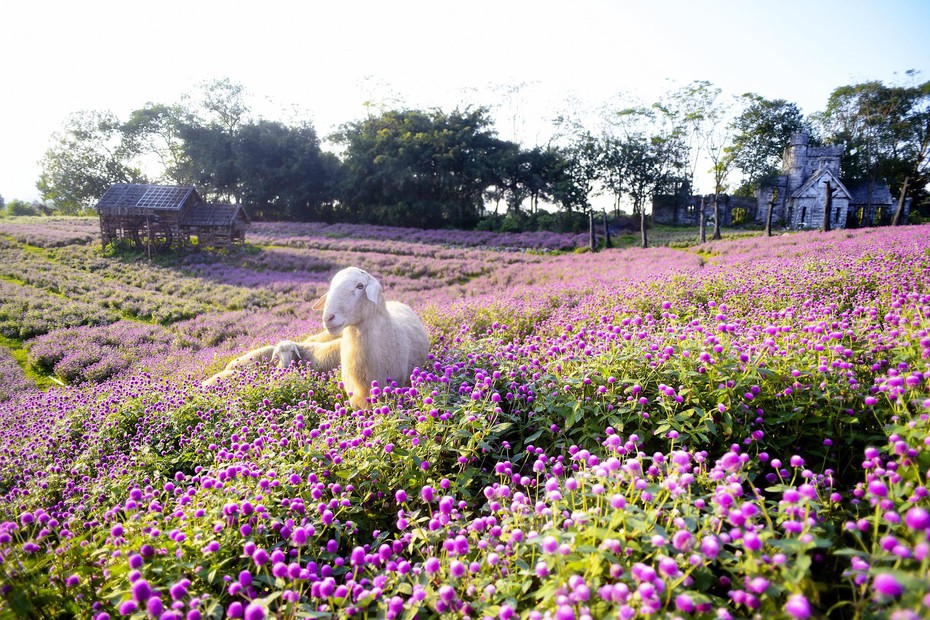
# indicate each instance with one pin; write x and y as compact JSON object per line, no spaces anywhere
{"x":330,"y":318}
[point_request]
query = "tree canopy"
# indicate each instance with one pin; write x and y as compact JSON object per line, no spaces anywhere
{"x":425,"y":167}
{"x":433,"y":168}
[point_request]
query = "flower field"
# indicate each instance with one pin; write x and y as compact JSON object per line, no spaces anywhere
{"x":737,"y":432}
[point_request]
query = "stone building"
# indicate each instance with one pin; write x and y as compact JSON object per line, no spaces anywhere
{"x":681,"y":208}
{"x":798,"y":196}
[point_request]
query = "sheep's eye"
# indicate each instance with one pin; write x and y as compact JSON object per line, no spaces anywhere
{"x":359,"y":285}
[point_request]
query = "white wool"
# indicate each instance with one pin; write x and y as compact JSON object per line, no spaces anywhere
{"x":374,"y":340}
{"x":381,"y":340}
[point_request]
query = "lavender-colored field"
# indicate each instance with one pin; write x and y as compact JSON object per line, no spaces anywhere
{"x":733,"y":430}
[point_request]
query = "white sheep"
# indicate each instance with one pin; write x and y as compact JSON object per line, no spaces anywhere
{"x":380,"y":340}
{"x":320,"y":350}
{"x":253,"y":356}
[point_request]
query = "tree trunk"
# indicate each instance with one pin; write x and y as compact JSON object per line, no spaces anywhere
{"x":591,"y":229}
{"x":768,"y":217}
{"x":899,"y":212}
{"x":716,"y":217}
{"x":702,"y":225}
{"x":642,"y":227}
{"x":827,"y":206}
{"x":607,"y":243}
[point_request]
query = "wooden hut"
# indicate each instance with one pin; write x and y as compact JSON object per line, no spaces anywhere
{"x":218,"y":225}
{"x":158,"y":217}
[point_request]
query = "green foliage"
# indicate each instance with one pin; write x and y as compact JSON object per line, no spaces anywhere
{"x":87,"y":156}
{"x":426,"y":168}
{"x":886,"y":131}
{"x":762,"y":132}
{"x":22,"y":208}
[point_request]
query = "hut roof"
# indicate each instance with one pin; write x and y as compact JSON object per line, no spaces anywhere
{"x":124,"y":196}
{"x":215,"y":215}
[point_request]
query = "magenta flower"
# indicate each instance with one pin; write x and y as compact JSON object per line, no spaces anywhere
{"x":917,"y":518}
{"x":427,"y":494}
{"x":886,"y":586}
{"x":684,"y":603}
{"x":798,"y":607}
{"x":550,"y":544}
{"x":254,"y":611}
{"x":141,"y":590}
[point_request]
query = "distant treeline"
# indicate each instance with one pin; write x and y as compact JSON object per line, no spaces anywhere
{"x":435,"y":169}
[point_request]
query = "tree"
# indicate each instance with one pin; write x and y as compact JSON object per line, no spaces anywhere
{"x":529,"y":175}
{"x":762,"y":132}
{"x":581,"y":172}
{"x":208,"y":124}
{"x":86,"y":157}
{"x":281,"y":171}
{"x":885,"y":129}
{"x":649,"y":152}
{"x":916,"y":132}
{"x":429,"y":169}
{"x":153,"y":131}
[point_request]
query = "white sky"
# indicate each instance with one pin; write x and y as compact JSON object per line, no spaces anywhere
{"x":328,"y":58}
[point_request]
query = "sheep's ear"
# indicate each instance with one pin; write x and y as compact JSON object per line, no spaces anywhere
{"x":319,"y":303}
{"x":373,"y":290}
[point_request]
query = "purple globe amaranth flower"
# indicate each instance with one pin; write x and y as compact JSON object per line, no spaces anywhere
{"x":917,"y":518}
{"x":141,"y":590}
{"x":710,"y":546}
{"x":542,"y":569}
{"x":798,"y":607}
{"x":446,"y":593}
{"x":127,"y":608}
{"x":234,"y":610}
{"x":299,"y":536}
{"x":245,"y":578}
{"x":887,"y":586}
{"x":878,"y":488}
{"x":550,"y":544}
{"x":682,"y":540}
{"x":684,"y":603}
{"x":178,"y":590}
{"x":401,"y":496}
{"x":254,"y":611}
{"x":427,"y":494}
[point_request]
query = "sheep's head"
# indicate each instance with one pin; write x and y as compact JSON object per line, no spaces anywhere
{"x":285,"y":353}
{"x":352,"y":294}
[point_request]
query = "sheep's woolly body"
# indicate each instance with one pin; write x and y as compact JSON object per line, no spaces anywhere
{"x":381,"y":340}
{"x":388,"y":345}
{"x":374,"y":340}
{"x":261,"y":353}
{"x":320,"y":354}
